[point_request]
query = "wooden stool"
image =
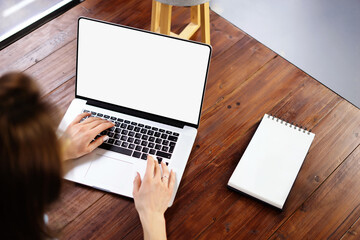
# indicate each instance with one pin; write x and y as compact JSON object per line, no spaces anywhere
{"x":161,"y":18}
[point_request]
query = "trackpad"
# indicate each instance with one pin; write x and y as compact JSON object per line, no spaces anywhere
{"x":111,"y":175}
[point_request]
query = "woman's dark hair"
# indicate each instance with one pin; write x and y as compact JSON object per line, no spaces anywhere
{"x":30,"y":159}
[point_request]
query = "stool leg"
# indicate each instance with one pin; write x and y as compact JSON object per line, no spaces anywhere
{"x":165,"y":19}
{"x":205,"y":22}
{"x":155,"y":16}
{"x":195,"y":15}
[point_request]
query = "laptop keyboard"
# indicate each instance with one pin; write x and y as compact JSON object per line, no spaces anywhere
{"x":136,"y":139}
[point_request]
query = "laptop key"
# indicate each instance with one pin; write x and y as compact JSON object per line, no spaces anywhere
{"x":157,"y":134}
{"x":137,"y":129}
{"x":145,"y":150}
{"x":152,"y":151}
{"x":117,"y":143}
{"x":125,"y":144}
{"x":144,"y":156}
{"x":123,"y":138}
{"x":120,"y":120}
{"x":127,"y":121}
{"x":131,"y":134}
{"x":117,"y":124}
{"x":117,"y":130}
{"x":168,"y":132}
{"x":100,"y":115}
{"x":111,"y":141}
{"x":110,"y":134}
{"x":164,"y":136}
{"x":138,"y":148}
{"x":172,"y":138}
{"x":106,"y":116}
{"x":136,"y":154}
{"x":121,"y":150}
{"x":113,"y":118}
{"x":137,"y":141}
{"x":163,"y":154}
{"x":175,"y":134}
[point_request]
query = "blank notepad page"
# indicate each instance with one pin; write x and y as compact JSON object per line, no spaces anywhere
{"x":271,"y":162}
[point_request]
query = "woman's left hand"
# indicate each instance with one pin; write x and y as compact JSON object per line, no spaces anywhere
{"x":77,"y":138}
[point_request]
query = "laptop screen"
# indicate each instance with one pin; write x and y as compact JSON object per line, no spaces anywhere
{"x":141,"y":70}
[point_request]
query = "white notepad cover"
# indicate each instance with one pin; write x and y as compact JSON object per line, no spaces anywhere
{"x":272,"y":160}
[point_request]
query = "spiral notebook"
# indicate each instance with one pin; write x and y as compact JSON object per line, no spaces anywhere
{"x":272,"y":160}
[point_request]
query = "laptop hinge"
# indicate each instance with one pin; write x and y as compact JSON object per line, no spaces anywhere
{"x":136,"y":113}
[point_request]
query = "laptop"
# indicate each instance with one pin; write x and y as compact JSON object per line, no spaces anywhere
{"x":151,"y":86}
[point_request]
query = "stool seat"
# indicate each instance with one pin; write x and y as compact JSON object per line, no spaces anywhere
{"x":200,"y":18}
{"x":183,"y":3}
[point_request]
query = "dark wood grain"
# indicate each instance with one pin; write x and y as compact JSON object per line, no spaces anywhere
{"x":353,"y":232}
{"x":330,"y":208}
{"x":74,"y":200}
{"x":246,"y":80}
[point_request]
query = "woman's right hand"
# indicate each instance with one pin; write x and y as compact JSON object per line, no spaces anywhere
{"x":152,"y":195}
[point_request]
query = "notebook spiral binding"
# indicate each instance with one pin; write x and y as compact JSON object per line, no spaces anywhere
{"x":291,"y":125}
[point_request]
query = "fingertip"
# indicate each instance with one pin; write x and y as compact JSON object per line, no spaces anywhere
{"x":136,"y":176}
{"x":172,"y":180}
{"x":173,"y":173}
{"x":136,"y":185}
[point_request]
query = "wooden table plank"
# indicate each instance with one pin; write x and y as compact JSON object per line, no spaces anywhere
{"x":106,"y":219}
{"x":58,"y":68}
{"x":353,"y":232}
{"x":326,"y":213}
{"x":74,"y":200}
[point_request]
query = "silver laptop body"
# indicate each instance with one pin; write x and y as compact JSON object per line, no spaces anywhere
{"x":146,"y":83}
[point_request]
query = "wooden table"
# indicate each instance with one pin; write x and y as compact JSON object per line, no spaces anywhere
{"x":246,"y":80}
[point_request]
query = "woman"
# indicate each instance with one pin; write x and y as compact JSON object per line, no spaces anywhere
{"x":31,"y":169}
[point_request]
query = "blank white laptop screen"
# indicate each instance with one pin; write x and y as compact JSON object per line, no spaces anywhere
{"x":142,"y":71}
